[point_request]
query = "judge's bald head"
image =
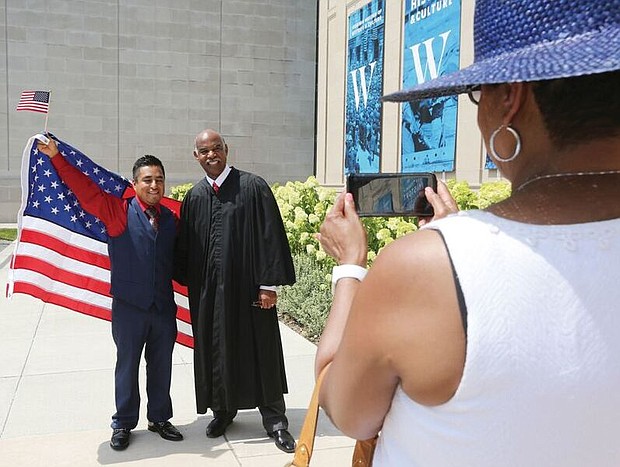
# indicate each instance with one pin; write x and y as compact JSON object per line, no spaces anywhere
{"x":211,"y":152}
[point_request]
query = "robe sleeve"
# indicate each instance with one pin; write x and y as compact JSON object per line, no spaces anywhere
{"x":273,"y":264}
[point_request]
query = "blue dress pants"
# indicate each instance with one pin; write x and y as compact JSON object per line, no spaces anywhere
{"x":153,"y":331}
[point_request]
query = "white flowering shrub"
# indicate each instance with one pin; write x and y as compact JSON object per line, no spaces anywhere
{"x":178,"y":192}
{"x":489,"y":193}
{"x":303,"y":206}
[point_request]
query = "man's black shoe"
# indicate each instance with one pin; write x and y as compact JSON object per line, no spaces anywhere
{"x":120,"y":438}
{"x":166,"y":430}
{"x":284,"y":440}
{"x":217,"y":427}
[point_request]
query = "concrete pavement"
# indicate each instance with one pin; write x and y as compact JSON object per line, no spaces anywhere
{"x":56,"y":399}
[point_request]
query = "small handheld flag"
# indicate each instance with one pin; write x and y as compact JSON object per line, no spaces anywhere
{"x":34,"y":101}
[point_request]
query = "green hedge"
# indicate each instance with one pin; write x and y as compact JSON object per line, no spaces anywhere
{"x":8,"y":235}
{"x":303,"y":206}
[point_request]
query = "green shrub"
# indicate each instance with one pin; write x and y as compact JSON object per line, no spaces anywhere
{"x":309,"y":299}
{"x":463,"y":195}
{"x":8,"y":234}
{"x":178,"y":192}
{"x":303,"y":206}
{"x":489,"y":193}
{"x":381,"y":231}
{"x":492,"y":192}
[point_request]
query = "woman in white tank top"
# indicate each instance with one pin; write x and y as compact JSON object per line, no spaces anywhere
{"x":492,"y":338}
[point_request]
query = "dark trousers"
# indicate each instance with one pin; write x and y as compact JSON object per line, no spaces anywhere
{"x":273,"y":415}
{"x":133,"y":330}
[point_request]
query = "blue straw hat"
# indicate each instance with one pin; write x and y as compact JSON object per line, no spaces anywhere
{"x":532,"y":40}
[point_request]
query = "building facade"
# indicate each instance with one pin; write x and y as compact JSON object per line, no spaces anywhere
{"x":134,"y":77}
{"x":368,"y":48}
{"x":293,"y":85}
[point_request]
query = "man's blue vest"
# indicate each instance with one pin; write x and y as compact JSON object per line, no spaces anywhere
{"x":141,"y":260}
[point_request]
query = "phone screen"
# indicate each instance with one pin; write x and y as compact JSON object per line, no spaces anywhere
{"x":391,"y":194}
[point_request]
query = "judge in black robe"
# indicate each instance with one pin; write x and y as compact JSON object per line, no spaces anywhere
{"x":232,"y":242}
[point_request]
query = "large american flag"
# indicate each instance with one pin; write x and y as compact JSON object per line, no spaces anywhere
{"x":61,"y":253}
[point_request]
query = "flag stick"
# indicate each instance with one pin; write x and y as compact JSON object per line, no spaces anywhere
{"x":49,"y":101}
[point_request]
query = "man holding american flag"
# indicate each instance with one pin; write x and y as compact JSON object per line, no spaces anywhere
{"x":140,"y":236}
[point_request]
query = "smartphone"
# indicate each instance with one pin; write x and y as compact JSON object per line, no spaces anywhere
{"x":391,"y":194}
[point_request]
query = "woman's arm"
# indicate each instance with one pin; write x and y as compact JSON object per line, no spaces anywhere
{"x":343,"y":237}
{"x":400,"y":325}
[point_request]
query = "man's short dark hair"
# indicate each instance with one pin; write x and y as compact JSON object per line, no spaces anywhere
{"x":580,"y":109}
{"x":147,"y":161}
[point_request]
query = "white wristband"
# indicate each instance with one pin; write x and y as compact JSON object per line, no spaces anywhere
{"x":352,"y":271}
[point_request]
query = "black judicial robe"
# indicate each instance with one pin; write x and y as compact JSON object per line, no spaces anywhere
{"x":228,"y":245}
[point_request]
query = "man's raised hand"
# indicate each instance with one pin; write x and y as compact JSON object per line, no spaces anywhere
{"x":50,"y":149}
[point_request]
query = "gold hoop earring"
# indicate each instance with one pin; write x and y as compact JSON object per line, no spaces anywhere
{"x":492,"y":149}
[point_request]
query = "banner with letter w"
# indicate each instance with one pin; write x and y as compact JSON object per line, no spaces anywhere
{"x":366,"y":27}
{"x":432,"y":38}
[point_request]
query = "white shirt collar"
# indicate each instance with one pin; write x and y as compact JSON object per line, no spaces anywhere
{"x":221,"y":177}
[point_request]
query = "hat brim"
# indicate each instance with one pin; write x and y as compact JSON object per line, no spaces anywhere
{"x":590,"y":53}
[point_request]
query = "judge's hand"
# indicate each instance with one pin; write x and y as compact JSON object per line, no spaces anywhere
{"x":50,"y":149}
{"x":266,"y":299}
{"x":443,"y":203}
{"x":343,"y":236}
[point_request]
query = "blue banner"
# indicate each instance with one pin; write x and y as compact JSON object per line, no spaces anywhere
{"x":364,"y":89}
{"x":489,"y":164}
{"x":432,"y":36}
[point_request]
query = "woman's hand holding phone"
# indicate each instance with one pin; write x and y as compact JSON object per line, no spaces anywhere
{"x":343,"y":236}
{"x":442,"y":201}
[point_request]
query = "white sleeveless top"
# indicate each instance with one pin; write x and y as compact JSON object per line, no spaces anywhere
{"x":541,"y":384}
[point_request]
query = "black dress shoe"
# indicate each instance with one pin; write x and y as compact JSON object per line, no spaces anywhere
{"x":217,"y":427}
{"x":166,"y":430}
{"x":120,"y":438}
{"x":284,"y":440}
